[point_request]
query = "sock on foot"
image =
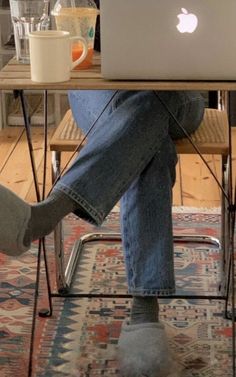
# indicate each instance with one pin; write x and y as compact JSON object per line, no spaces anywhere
{"x":144,"y":309}
{"x":46,"y":214}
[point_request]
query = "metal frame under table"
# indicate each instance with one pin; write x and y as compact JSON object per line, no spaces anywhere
{"x":16,"y":77}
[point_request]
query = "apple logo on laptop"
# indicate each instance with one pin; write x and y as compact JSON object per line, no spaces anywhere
{"x":187,"y":22}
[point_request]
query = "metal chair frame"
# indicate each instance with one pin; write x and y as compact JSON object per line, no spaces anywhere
{"x":64,"y":274}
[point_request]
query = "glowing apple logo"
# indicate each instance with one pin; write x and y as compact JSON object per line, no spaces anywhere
{"x":187,"y":22}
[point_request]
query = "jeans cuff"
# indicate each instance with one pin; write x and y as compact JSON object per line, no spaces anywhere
{"x":85,"y":210}
{"x":151,"y":292}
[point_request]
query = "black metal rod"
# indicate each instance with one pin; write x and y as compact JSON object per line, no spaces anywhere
{"x":117,"y":295}
{"x":233,"y":285}
{"x":50,"y":311}
{"x":29,"y":141}
{"x":38,"y":197}
{"x":34,"y":315}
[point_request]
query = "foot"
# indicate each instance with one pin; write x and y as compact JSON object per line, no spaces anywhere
{"x":21,"y":223}
{"x":143,"y":351}
{"x":14,"y":218}
{"x":45,"y":215}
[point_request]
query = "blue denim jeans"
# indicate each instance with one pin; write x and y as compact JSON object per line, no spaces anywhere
{"x":130,"y":156}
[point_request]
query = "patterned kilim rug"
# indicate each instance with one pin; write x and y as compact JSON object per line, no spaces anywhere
{"x":80,"y":339}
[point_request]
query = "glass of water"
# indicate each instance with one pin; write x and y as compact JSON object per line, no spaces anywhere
{"x":27,"y":16}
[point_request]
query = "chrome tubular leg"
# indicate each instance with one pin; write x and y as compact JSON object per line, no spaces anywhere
{"x":55,"y":165}
{"x":62,"y":285}
{"x":65,"y":276}
{"x":58,"y":232}
{"x":78,"y":248}
{"x":225,"y":221}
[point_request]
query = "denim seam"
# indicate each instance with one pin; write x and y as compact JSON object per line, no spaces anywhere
{"x":95,"y":215}
{"x":152,"y":292}
{"x":128,"y":256}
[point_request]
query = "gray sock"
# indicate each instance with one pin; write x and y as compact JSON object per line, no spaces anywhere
{"x":46,"y":214}
{"x":144,"y":309}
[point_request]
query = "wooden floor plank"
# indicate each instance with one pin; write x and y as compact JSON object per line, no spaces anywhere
{"x":31,"y":196}
{"x":199,"y":187}
{"x":8,"y":140}
{"x":177,"y":196}
{"x":16,"y":174}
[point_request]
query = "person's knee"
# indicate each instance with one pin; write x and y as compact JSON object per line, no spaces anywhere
{"x":188,"y":118}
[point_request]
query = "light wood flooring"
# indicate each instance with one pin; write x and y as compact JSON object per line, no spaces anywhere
{"x":194,"y":186}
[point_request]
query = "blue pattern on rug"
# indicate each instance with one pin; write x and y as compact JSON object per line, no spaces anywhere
{"x":81,"y":337}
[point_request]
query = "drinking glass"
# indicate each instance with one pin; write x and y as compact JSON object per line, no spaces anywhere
{"x":27,"y":16}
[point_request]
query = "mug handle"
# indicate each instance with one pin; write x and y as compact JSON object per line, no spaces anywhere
{"x":84,"y":53}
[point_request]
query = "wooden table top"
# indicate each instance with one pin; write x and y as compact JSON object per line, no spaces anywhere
{"x":17,"y":76}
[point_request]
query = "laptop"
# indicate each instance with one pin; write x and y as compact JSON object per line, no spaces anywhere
{"x":168,"y":39}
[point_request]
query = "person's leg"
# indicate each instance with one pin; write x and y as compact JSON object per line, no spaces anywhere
{"x":147,"y":239}
{"x":123,"y":142}
{"x":131,"y":140}
{"x":20,"y":222}
{"x":146,"y":206}
{"x":146,"y":223}
{"x":148,"y":246}
{"x":87,"y":106}
{"x":113,"y":157}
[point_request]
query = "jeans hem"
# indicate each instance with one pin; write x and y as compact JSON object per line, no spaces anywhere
{"x":151,"y":292}
{"x":88,"y":213}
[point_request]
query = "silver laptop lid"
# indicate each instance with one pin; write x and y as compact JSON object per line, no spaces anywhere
{"x":168,"y":39}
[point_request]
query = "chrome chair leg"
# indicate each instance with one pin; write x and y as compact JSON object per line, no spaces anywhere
{"x":65,"y":273}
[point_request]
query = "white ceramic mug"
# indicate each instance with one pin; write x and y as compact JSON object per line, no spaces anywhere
{"x":51,"y":55}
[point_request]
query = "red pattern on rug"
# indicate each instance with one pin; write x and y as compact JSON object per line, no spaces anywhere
{"x":81,"y":337}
